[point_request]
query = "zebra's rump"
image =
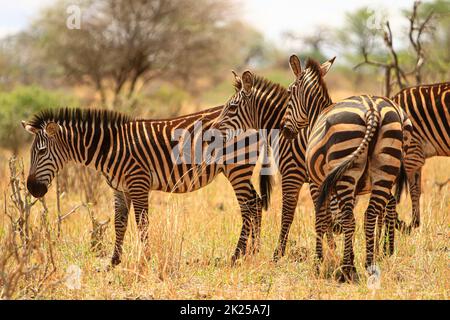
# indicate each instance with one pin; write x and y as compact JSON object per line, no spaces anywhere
{"x":341,"y":129}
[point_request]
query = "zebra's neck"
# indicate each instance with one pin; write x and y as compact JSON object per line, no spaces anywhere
{"x":94,"y":144}
{"x":270,"y":108}
{"x":317,"y":101}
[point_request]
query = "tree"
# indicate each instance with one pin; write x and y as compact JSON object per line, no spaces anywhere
{"x":124,"y":43}
{"x":310,"y":44}
{"x":374,"y":44}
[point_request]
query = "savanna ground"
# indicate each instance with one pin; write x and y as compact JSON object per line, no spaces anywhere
{"x":192,"y":237}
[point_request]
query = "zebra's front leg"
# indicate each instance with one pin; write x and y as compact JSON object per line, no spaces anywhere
{"x":121,"y":208}
{"x":140,"y":205}
{"x":322,"y":222}
{"x":256,"y":223}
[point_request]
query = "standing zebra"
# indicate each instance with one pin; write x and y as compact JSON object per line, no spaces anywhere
{"x":243,"y":111}
{"x":354,"y":146}
{"x":428,"y":107}
{"x":135,"y":157}
{"x":259,"y":103}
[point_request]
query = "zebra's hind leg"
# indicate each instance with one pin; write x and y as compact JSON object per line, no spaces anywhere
{"x":250,"y":204}
{"x":415,"y":197}
{"x":121,"y":208}
{"x":290,"y":190}
{"x":347,"y":272}
{"x":389,"y":231}
{"x":336,"y":216}
{"x":379,"y":222}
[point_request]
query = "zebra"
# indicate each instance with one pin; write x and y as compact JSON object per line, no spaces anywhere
{"x":135,"y":157}
{"x":428,"y":107}
{"x":354,"y":146}
{"x":261,"y":105}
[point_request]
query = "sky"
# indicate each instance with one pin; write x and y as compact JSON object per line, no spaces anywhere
{"x":271,"y":17}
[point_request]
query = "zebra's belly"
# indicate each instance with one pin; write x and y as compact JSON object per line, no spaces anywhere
{"x":189,"y":179}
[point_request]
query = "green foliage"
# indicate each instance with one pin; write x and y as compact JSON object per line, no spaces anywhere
{"x":20,"y":104}
{"x":357,"y":34}
{"x":438,"y":49}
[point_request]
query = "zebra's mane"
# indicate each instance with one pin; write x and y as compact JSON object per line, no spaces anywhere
{"x":261,"y":84}
{"x":315,"y":68}
{"x":77,"y":115}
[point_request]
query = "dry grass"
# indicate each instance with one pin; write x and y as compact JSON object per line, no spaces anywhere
{"x":192,"y":237}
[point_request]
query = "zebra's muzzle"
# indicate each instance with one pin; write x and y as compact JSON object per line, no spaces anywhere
{"x":36,"y":188}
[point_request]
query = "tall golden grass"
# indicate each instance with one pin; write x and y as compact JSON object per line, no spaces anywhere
{"x":193,"y":235}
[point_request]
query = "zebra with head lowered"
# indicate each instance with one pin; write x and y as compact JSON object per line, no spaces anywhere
{"x":354,"y":145}
{"x":136,"y":156}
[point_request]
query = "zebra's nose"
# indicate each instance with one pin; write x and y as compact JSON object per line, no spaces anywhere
{"x":288,"y":133}
{"x":36,"y":188}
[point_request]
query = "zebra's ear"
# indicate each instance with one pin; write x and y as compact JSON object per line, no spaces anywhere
{"x":237,"y":80}
{"x":236,"y":77}
{"x":29,"y":128}
{"x":51,"y":129}
{"x":296,"y":67}
{"x":324,"y":67}
{"x":247,"y":82}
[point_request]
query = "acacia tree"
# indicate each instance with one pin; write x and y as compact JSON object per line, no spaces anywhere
{"x":123,"y":43}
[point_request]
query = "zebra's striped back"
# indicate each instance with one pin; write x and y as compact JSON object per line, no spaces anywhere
{"x":428,"y":107}
{"x":138,"y":155}
{"x":353,"y":145}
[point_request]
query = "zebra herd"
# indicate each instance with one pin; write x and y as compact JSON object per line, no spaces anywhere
{"x":361,"y":145}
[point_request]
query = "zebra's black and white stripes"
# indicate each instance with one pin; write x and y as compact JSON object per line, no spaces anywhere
{"x":135,"y":156}
{"x":354,"y":145}
{"x":428,"y":107}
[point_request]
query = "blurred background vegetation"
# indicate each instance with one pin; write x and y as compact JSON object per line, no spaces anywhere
{"x":162,"y":58}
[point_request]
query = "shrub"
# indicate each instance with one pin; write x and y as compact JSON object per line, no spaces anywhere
{"x":20,"y":104}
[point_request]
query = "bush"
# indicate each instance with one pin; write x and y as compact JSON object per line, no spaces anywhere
{"x":21,"y":104}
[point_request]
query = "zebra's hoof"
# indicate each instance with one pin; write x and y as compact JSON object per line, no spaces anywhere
{"x":347,"y":274}
{"x":414,"y":224}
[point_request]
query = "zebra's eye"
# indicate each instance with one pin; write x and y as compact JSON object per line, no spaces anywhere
{"x":233,"y":107}
{"x":42,"y":148}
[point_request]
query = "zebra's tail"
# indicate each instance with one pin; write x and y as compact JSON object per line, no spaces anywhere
{"x":266,"y":179}
{"x":372,"y":120}
{"x":402,"y":179}
{"x":402,"y":183}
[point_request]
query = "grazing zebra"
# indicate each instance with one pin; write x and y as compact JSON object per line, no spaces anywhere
{"x":135,"y":156}
{"x":354,"y":146}
{"x":428,"y":107}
